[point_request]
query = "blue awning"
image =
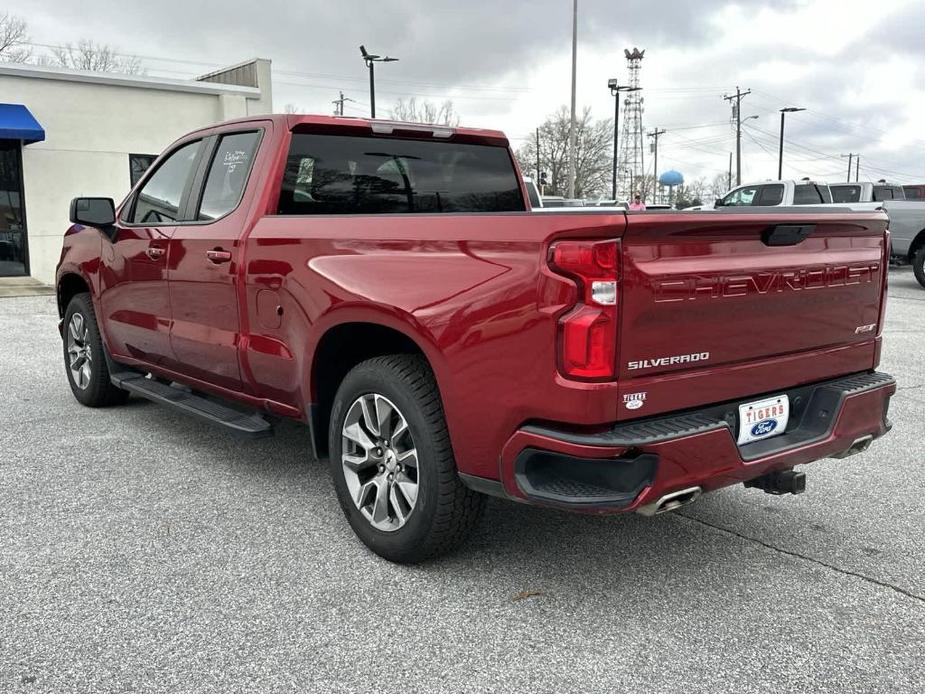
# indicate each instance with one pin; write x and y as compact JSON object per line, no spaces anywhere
{"x":17,"y":123}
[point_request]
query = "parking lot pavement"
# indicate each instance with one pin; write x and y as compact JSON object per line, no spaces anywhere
{"x":142,"y":551}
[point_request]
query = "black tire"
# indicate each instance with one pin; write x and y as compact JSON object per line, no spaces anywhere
{"x":445,"y":511}
{"x":918,"y":265}
{"x":98,"y":390}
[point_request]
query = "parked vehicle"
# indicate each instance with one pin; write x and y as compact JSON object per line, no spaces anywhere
{"x":907,"y":234}
{"x":777,"y":194}
{"x":387,"y":285}
{"x":881,"y":191}
{"x":907,"y":218}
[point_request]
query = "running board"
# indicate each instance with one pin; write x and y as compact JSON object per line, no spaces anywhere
{"x":243,"y":424}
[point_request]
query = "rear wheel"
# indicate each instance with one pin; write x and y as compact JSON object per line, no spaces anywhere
{"x":918,"y":265}
{"x":84,"y":358}
{"x":393,"y":465}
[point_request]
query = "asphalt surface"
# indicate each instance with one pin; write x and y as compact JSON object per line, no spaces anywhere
{"x":143,"y":552}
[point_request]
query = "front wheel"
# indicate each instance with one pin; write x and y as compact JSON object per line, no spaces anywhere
{"x":918,"y":265}
{"x":84,"y":358}
{"x":393,"y":465}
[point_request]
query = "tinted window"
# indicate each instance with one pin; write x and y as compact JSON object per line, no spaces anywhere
{"x":846,"y":193}
{"x":882,"y":193}
{"x":159,"y":199}
{"x":228,"y":173}
{"x":807,"y":194}
{"x":333,"y":174}
{"x":533,"y":194}
{"x":742,"y":196}
{"x":138,"y":164}
{"x":771,"y":195}
{"x":912,"y":192}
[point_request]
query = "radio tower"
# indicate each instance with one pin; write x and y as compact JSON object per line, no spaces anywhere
{"x":631,"y":164}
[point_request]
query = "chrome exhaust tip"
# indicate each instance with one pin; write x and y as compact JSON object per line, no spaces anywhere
{"x":671,"y":502}
{"x":859,"y":446}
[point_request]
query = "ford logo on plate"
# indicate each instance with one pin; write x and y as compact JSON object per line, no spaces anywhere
{"x":764,"y":428}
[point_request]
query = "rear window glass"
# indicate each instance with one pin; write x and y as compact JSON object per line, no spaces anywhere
{"x":882,"y":193}
{"x":335,"y":174}
{"x":846,"y":193}
{"x":807,"y":194}
{"x":912,"y":192}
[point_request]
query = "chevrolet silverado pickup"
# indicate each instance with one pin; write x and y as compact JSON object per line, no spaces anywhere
{"x":388,"y":285}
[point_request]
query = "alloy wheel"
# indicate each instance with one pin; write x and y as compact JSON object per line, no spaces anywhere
{"x":380,"y":462}
{"x":80,"y":357}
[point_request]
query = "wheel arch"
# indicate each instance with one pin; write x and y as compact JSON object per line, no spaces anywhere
{"x":69,"y":285}
{"x":342,"y":347}
{"x":917,"y":243}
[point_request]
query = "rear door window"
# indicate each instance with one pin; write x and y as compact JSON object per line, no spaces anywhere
{"x":159,"y":200}
{"x":335,"y":174}
{"x":807,"y":194}
{"x":771,"y":195}
{"x":231,"y":165}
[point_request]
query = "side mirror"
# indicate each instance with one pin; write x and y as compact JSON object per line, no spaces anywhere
{"x":719,"y":202}
{"x":93,"y":212}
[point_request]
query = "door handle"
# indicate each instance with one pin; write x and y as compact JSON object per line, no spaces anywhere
{"x":154,"y":252}
{"x":218,"y":256}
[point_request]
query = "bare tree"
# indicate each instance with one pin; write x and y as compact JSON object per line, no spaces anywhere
{"x":720,"y":185}
{"x":14,"y":39}
{"x":95,"y":57}
{"x":412,"y":111}
{"x":594,"y":142}
{"x":291,"y":108}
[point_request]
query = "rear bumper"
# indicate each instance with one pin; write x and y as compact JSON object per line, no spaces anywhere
{"x":631,"y":465}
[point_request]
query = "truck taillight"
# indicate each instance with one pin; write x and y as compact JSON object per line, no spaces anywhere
{"x":588,"y":333}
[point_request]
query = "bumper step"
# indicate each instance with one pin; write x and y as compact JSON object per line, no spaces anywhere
{"x":235,"y":421}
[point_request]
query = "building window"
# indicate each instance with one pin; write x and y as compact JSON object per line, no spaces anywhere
{"x":138,"y":164}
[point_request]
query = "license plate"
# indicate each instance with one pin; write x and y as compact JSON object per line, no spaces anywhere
{"x":763,"y":419}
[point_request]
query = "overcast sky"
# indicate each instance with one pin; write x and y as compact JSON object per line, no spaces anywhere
{"x":856,"y":66}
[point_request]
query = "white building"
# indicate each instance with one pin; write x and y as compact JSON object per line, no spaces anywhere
{"x":66,"y":133}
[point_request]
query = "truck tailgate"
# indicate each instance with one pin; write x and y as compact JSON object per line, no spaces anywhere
{"x":710,"y":301}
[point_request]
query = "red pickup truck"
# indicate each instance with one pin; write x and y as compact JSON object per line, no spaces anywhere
{"x":388,"y":285}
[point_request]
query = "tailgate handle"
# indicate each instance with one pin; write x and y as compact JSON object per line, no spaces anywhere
{"x":787,"y":234}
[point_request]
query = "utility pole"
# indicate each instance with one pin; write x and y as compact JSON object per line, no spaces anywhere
{"x":729,"y":184}
{"x":739,"y":95}
{"x":857,"y":169}
{"x":655,"y":134}
{"x":339,"y":104}
{"x":537,"y":157}
{"x":371,"y":59}
{"x":850,"y":156}
{"x":572,"y":155}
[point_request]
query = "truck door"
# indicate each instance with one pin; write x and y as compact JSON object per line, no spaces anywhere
{"x":204,"y":262}
{"x":134,"y":295}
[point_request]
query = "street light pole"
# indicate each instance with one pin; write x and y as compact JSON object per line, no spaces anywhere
{"x":780,"y":158}
{"x":371,"y":59}
{"x":616,"y":90}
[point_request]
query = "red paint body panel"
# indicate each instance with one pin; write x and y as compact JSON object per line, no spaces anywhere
{"x":476,"y":294}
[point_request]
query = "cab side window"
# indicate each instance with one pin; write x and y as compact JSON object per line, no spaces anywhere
{"x":770,"y":195}
{"x":228,"y":174}
{"x":159,"y":200}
